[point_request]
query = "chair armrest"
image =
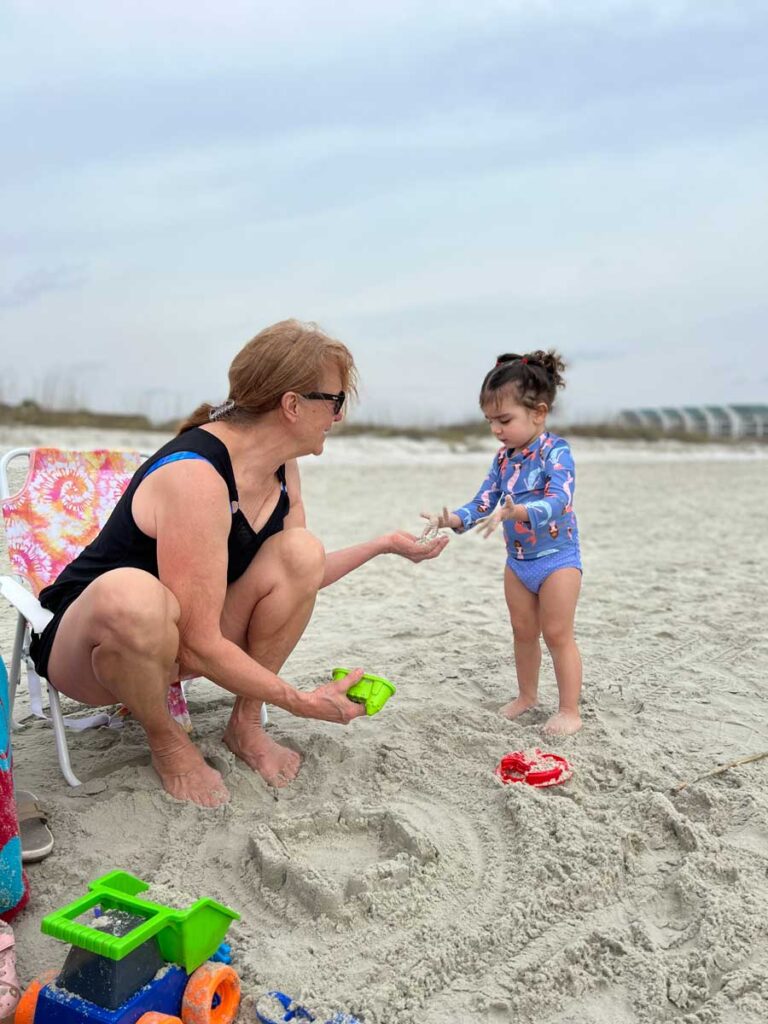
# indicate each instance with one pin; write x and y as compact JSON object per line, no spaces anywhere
{"x":26,"y":603}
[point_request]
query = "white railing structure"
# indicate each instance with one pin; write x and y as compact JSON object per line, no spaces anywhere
{"x":717,"y":421}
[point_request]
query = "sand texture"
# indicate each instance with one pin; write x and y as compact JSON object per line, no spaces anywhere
{"x":396,"y":879}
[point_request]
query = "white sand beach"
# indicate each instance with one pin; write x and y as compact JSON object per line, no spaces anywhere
{"x":415,"y":889}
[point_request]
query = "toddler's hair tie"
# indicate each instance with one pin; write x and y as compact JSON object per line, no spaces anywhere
{"x":508,"y":357}
{"x":217,"y":411}
{"x":524,"y":360}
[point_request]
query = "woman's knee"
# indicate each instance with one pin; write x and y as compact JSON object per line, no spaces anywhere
{"x":302,"y":556}
{"x":137,"y":609}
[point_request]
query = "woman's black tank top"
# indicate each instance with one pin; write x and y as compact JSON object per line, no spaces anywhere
{"x":122,"y":544}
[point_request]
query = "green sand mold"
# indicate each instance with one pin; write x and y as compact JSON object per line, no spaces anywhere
{"x":373,"y":691}
{"x":185,"y":937}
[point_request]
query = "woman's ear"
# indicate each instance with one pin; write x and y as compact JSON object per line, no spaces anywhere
{"x":289,"y":404}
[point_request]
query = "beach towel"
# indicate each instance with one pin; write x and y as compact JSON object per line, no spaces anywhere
{"x":14,"y":888}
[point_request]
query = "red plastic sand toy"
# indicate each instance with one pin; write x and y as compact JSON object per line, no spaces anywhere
{"x":535,"y":768}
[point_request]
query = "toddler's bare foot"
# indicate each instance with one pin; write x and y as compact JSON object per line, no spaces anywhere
{"x":516,"y":707}
{"x":564,"y":723}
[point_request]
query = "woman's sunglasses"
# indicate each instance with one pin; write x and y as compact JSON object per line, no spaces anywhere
{"x":322,"y":396}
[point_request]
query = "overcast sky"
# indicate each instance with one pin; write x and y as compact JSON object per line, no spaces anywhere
{"x":433,"y":181}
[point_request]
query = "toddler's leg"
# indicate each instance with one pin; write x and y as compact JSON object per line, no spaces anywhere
{"x":557,"y":606}
{"x":524,"y":615}
{"x":9,"y":983}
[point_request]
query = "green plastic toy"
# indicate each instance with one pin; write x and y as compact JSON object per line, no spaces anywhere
{"x":185,"y":937}
{"x":373,"y":691}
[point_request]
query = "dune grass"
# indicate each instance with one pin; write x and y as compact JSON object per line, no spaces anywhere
{"x":33,"y":414}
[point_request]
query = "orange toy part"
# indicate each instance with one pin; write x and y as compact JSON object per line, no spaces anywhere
{"x":25,"y":1011}
{"x":158,"y":1018}
{"x":209,"y":981}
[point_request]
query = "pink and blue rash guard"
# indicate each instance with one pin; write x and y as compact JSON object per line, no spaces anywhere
{"x":541,"y":477}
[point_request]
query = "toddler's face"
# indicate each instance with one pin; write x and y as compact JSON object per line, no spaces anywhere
{"x":515,"y":425}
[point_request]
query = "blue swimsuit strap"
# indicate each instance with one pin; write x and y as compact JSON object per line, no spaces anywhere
{"x":179,"y":456}
{"x":176,"y":457}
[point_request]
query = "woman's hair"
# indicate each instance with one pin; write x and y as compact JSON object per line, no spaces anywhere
{"x":288,"y":356}
{"x":530,"y":379}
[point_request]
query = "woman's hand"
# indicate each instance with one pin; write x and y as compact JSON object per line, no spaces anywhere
{"x":415,"y":549}
{"x":506,"y":510}
{"x":330,"y":703}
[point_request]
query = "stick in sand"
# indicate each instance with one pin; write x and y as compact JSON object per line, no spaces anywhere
{"x":722,"y":768}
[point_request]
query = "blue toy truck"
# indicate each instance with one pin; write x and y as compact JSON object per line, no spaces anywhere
{"x":132,"y":961}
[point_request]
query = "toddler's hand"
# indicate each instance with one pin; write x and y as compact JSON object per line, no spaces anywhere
{"x":506,"y":510}
{"x":442,"y":521}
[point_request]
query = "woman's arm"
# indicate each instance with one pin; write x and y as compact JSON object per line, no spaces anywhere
{"x":339,"y":563}
{"x":296,"y":514}
{"x":407,"y":545}
{"x":196,"y":574}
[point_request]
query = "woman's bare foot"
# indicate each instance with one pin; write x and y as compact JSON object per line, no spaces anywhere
{"x":245,"y":737}
{"x":564,"y":723}
{"x":184,"y":773}
{"x":516,"y":707}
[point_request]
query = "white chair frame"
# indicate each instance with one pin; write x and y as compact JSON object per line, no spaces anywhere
{"x":32,"y":616}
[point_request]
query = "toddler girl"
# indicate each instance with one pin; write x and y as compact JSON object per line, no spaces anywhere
{"x":530,"y":486}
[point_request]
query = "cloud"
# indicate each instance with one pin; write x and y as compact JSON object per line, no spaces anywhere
{"x":33,"y":285}
{"x":433,"y":181}
{"x":582,"y":355}
{"x":129,"y":86}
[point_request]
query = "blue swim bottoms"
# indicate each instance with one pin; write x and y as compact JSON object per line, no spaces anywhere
{"x":533,"y":571}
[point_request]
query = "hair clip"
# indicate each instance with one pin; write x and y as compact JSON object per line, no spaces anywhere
{"x":217,"y":411}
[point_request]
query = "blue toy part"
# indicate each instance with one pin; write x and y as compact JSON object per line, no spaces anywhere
{"x":163,"y":995}
{"x":294,"y":1012}
{"x":223,"y":954}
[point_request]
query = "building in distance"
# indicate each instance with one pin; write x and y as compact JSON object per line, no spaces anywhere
{"x":723,"y":421}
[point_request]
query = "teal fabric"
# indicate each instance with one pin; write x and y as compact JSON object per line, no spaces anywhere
{"x":13,"y":888}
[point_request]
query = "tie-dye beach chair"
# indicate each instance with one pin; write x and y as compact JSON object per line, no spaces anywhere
{"x":65,"y":500}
